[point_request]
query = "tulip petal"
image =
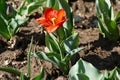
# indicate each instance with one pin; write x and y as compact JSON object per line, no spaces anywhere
{"x":43,"y":21}
{"x":50,"y":13}
{"x":60,"y":16}
{"x":61,"y":22}
{"x":51,"y":28}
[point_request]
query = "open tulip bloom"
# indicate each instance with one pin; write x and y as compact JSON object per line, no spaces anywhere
{"x":52,"y":19}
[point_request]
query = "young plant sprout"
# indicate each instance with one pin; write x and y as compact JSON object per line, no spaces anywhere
{"x":106,"y":20}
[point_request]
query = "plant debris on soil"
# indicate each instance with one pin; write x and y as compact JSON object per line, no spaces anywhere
{"x":102,"y":53}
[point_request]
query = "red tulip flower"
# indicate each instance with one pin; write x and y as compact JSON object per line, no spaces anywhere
{"x":52,"y":19}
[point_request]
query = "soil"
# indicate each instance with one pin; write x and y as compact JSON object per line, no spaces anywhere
{"x":102,"y":53}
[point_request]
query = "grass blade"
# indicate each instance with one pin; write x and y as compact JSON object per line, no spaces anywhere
{"x":28,"y":58}
{"x":14,"y":71}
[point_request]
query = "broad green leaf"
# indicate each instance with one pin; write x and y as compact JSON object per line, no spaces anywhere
{"x":111,"y":74}
{"x":80,"y":77}
{"x":103,"y":28}
{"x":114,"y":31}
{"x":25,"y":10}
{"x":52,"y":43}
{"x":74,"y":51}
{"x":20,"y":19}
{"x":9,"y":23}
{"x":83,"y":77}
{"x":50,"y":3}
{"x":12,"y":26}
{"x":114,"y":75}
{"x":40,"y":76}
{"x":85,"y":68}
{"x":61,"y":32}
{"x":34,"y":5}
{"x":54,"y":4}
{"x":14,"y":23}
{"x":64,"y":67}
{"x":3,"y":7}
{"x":109,"y":31}
{"x":104,"y":7}
{"x":106,"y":21}
{"x":71,"y":42}
{"x":117,"y":75}
{"x":70,"y":54}
{"x":51,"y":57}
{"x":4,"y":28}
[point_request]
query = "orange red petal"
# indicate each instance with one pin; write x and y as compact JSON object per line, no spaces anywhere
{"x":51,"y":28}
{"x":50,"y":13}
{"x":59,"y":17}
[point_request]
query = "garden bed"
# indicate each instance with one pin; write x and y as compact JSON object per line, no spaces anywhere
{"x":102,"y":53}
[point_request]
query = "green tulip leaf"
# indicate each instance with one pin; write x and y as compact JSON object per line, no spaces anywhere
{"x":86,"y":70}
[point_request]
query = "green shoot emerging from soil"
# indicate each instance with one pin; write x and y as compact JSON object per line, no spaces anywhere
{"x":106,"y":20}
